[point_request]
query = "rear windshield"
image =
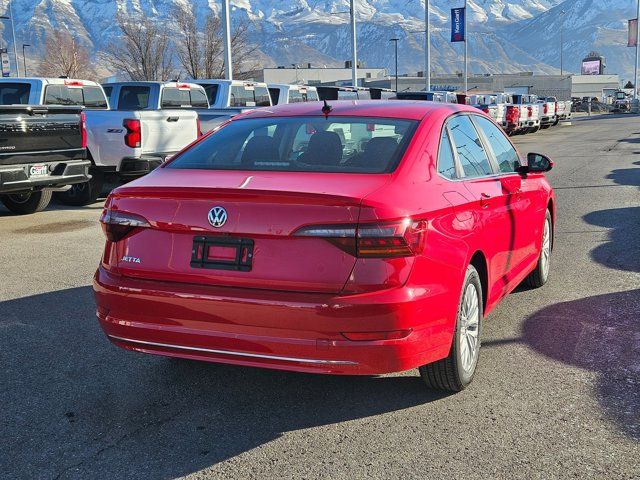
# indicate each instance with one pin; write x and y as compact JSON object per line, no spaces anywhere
{"x":91,"y":97}
{"x":133,"y":98}
{"x":249,"y":96}
{"x":302,"y":144}
{"x":14,"y":93}
{"x":183,"y":98}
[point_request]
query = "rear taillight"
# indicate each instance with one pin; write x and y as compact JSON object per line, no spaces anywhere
{"x":117,"y":225}
{"x":380,"y":240}
{"x":546,"y":108}
{"x":513,"y":114}
{"x":485,"y":109}
{"x":133,"y":137}
{"x":83,"y":128}
{"x":530,"y":111}
{"x":556,"y":108}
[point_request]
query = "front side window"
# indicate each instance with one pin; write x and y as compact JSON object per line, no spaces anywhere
{"x":133,"y":98}
{"x":14,"y":93}
{"x":468,"y":146}
{"x":303,"y":144}
{"x":506,"y":156}
{"x":446,"y":162}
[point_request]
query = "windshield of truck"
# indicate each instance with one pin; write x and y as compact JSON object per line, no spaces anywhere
{"x":14,"y":93}
{"x":89,"y":96}
{"x":302,"y":144}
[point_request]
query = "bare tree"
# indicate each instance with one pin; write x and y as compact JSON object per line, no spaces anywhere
{"x":200,"y":52}
{"x":143,"y":52}
{"x":65,"y":56}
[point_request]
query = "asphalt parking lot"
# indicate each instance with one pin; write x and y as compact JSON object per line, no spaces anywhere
{"x":557,"y":393}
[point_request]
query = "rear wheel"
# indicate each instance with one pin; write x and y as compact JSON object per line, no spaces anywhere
{"x":82,"y":194}
{"x":28,"y":202}
{"x":534,"y":129}
{"x":540,"y":275}
{"x":455,"y":372}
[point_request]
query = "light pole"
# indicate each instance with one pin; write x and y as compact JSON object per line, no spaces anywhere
{"x":24,"y":58}
{"x":635,"y":71}
{"x":427,"y":47}
{"x":354,"y":49}
{"x":226,"y":27}
{"x":395,"y":40}
{"x":466,"y":40}
{"x":15,"y":48}
{"x":562,"y":14}
{"x":295,"y":65}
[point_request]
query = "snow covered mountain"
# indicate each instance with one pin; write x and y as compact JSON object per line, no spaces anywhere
{"x":505,"y":35}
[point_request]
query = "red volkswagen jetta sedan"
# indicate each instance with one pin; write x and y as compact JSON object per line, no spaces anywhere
{"x":358,"y":238}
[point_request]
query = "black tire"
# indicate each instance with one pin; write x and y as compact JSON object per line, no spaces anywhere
{"x":450,"y":373}
{"x":26,"y":203}
{"x":82,"y":194}
{"x":544,"y":127}
{"x":539,"y":276}
{"x":534,"y":129}
{"x":556,"y":122}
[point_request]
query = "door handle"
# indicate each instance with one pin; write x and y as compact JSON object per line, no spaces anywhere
{"x":172,"y":119}
{"x":484,"y":200}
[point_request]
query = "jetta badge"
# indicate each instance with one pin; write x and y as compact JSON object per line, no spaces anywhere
{"x":217,"y":216}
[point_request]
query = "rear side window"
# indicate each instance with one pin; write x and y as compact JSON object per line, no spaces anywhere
{"x":275,"y":95}
{"x":14,"y":93}
{"x":303,"y":144}
{"x":446,"y":162}
{"x":473,"y":158}
{"x":134,"y":98}
{"x":212,"y":93}
{"x":174,"y":98}
{"x":198,"y":98}
{"x":94,"y":98}
{"x":506,"y":156}
{"x":107,"y":91}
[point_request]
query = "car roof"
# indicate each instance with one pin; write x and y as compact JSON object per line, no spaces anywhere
{"x":403,"y":109}
{"x":49,"y":80}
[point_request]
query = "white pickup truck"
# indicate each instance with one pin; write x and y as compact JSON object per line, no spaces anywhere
{"x":143,"y":123}
{"x":282,"y":93}
{"x":228,"y":98}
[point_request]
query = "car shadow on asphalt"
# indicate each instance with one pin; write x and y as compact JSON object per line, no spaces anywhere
{"x":74,"y":404}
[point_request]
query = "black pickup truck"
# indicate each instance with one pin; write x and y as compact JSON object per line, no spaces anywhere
{"x":42,"y":149}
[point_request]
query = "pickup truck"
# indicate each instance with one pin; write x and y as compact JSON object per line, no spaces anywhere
{"x":439,"y":97}
{"x":342,"y":93}
{"x":549,"y":111}
{"x":127,"y":137}
{"x":490,"y":105}
{"x":529,"y":113}
{"x":228,"y":98}
{"x":42,"y":148}
{"x":282,"y":93}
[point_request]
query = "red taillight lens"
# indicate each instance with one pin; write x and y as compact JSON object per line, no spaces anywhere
{"x":513,"y":114}
{"x":133,"y":137}
{"x":530,"y":110}
{"x":546,"y":108}
{"x":556,"y":107}
{"x":83,"y":128}
{"x":117,"y":225}
{"x":381,"y":240}
{"x":485,"y":109}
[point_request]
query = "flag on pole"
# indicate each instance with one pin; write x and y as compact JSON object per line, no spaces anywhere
{"x":457,"y":25}
{"x":633,"y":32}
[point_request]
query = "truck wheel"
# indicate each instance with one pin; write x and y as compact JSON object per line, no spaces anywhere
{"x":534,"y":129}
{"x":456,"y":371}
{"x":82,"y":194}
{"x":28,"y":202}
{"x":556,"y":122}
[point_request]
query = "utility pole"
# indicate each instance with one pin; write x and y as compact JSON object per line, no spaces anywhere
{"x":354,"y":50}
{"x":466,"y":39}
{"x":226,"y":27}
{"x":395,"y":40}
{"x":15,"y":47}
{"x":562,"y":14}
{"x":635,"y":72}
{"x":427,"y":46}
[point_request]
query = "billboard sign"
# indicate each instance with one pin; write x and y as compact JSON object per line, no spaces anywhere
{"x":591,"y":67}
{"x":457,"y":25}
{"x":6,"y":65}
{"x":633,"y":32}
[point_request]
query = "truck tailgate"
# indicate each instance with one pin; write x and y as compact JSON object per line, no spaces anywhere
{"x":168,"y":130}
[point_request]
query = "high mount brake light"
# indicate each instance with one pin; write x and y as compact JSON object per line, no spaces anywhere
{"x":404,"y":238}
{"x":73,"y":83}
{"x":133,"y":137}
{"x":116,"y":225}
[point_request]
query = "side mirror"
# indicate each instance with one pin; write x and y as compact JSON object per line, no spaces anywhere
{"x":536,"y":163}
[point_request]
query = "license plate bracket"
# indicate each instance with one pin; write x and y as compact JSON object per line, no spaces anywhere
{"x":38,"y":170}
{"x":235,"y":253}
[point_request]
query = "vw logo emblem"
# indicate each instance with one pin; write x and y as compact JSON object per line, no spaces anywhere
{"x":217,"y":216}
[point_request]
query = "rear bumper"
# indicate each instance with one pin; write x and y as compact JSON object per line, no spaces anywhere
{"x":140,"y":166}
{"x":271,"y":329}
{"x":15,"y":178}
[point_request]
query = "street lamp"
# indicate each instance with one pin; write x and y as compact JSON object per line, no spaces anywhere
{"x":13,"y":31}
{"x":24,"y":58}
{"x":395,"y":40}
{"x":562,"y":14}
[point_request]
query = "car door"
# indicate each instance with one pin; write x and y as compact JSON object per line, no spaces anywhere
{"x":522,"y":197}
{"x":492,"y":225}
